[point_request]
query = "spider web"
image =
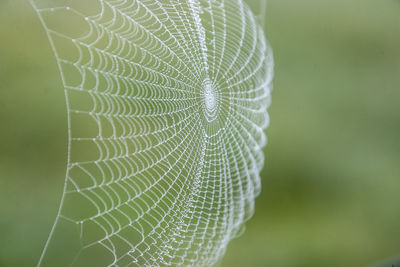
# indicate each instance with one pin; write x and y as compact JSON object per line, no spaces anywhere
{"x":166,"y":110}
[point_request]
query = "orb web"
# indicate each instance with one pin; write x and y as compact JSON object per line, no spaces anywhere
{"x":167,"y":106}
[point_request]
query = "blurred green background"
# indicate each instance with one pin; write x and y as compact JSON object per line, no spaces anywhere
{"x":331,"y":182}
